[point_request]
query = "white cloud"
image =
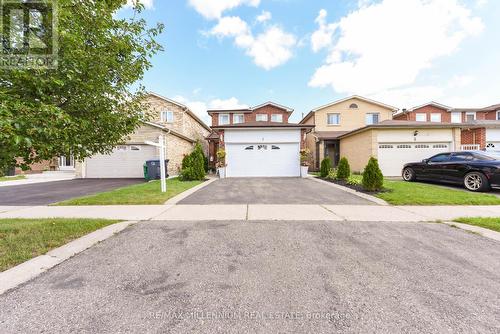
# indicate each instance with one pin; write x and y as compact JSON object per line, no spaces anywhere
{"x":269,"y":49}
{"x":200,"y":107}
{"x":213,"y":9}
{"x":147,"y":3}
{"x":264,"y":16}
{"x":384,"y":46}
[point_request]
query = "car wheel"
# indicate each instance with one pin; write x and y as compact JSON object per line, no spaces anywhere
{"x":476,"y":182}
{"x":409,"y":174}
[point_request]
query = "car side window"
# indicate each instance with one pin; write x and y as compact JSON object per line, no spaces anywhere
{"x":440,"y":158}
{"x":462,"y":157}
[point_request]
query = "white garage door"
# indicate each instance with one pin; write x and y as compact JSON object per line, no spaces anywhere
{"x":393,"y":156}
{"x":262,"y":160}
{"x":125,"y":161}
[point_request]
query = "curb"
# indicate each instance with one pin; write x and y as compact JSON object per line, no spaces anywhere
{"x":351,"y":191}
{"x":30,"y":269}
{"x":476,"y":229}
{"x":176,"y":199}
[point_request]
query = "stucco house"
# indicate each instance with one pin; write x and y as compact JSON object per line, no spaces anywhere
{"x":335,"y":119}
{"x":258,"y":141}
{"x":179,"y":125}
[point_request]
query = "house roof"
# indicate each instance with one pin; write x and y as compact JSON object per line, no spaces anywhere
{"x":359,"y":98}
{"x":325,"y":135}
{"x":432,"y":103}
{"x":212,"y":135}
{"x":184,"y":107}
{"x":173,"y":132}
{"x":309,"y":114}
{"x":251,"y":109}
{"x":262,"y":125}
{"x":483,"y":123}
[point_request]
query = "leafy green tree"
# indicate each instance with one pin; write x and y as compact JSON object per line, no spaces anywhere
{"x":88,"y":104}
{"x":373,"y":179}
{"x":326,"y":165}
{"x":343,"y":170}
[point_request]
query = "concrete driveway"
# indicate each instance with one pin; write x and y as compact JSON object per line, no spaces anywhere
{"x":272,"y":191}
{"x":268,"y":277}
{"x":51,"y":192}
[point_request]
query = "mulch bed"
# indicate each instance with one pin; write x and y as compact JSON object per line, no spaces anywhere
{"x":356,"y":187}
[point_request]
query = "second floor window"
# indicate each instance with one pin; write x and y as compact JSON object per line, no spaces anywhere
{"x":372,"y":118}
{"x":277,"y":118}
{"x":167,"y":116}
{"x":261,"y":117}
{"x":223,"y":119}
{"x":333,"y":119}
{"x":470,"y":116}
{"x":456,"y":117}
{"x":421,"y":117}
{"x":238,"y":118}
{"x":436,"y":118}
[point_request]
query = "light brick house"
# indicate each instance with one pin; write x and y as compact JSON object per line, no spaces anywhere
{"x":258,"y":141}
{"x":178,"y":124}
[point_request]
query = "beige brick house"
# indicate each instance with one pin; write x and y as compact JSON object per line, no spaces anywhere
{"x":178,"y":124}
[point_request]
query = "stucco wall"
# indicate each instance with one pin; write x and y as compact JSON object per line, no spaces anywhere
{"x":358,"y":149}
{"x":350,"y":119}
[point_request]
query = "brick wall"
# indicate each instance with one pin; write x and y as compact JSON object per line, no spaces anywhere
{"x":428,"y":110}
{"x":474,"y":136}
{"x":251,"y":117}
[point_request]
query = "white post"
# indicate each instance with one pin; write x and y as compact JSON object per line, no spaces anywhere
{"x":162,"y":164}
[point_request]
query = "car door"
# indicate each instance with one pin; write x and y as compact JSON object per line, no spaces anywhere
{"x":435,"y":167}
{"x":454,"y":170}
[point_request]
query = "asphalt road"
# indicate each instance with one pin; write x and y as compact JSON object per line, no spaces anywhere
{"x":268,"y":277}
{"x":271,"y":191}
{"x":51,"y":192}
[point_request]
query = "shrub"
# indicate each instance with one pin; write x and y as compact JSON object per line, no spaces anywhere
{"x":193,"y":165}
{"x":373,"y":179}
{"x":326,"y":165}
{"x":221,"y":158}
{"x":353,"y":181}
{"x":305,"y":157}
{"x":343,"y":170}
{"x":332,"y":174}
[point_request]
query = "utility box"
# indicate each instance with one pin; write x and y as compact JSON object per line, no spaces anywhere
{"x":152,"y":169}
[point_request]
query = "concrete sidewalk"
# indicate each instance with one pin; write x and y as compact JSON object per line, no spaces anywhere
{"x":253,"y":212}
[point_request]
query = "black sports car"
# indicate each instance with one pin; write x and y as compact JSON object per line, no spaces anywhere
{"x":476,"y":170}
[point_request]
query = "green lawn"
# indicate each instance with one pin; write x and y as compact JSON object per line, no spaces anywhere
{"x":12,"y":178}
{"x":416,"y":193}
{"x":489,"y":223}
{"x":23,"y":239}
{"x":144,"y":193}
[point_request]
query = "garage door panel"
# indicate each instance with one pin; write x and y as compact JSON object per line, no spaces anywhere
{"x":393,"y":156}
{"x":125,"y":161}
{"x":262,"y":160}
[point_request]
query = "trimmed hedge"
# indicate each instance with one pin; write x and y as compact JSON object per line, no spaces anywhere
{"x":193,"y":165}
{"x":373,"y":179}
{"x":326,"y":165}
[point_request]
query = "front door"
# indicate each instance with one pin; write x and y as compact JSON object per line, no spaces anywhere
{"x":332,"y":151}
{"x":66,"y":163}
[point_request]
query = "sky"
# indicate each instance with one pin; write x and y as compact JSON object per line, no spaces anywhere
{"x":304,"y":54}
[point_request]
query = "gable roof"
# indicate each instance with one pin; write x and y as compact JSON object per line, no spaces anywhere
{"x":251,"y":109}
{"x":173,"y":132}
{"x":182,"y":106}
{"x":432,"y":103}
{"x":359,"y":98}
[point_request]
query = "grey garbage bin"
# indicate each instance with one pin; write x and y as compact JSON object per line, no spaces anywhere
{"x":152,"y":169}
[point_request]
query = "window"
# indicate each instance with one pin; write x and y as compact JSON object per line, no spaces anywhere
{"x":498,"y":115}
{"x":440,"y":158}
{"x":372,"y":118}
{"x":121,"y":148}
{"x":262,"y":147}
{"x":238,"y":118}
{"x":470,"y":116}
{"x":248,"y":148}
{"x":439,"y":146}
{"x":436,"y":118}
{"x":385,"y":146}
{"x":333,"y":119}
{"x":419,"y":117}
{"x":167,"y":116}
{"x":404,"y":146}
{"x":421,"y":146}
{"x":277,"y":118}
{"x":456,"y":117}
{"x":135,"y":148}
{"x":274,"y":147}
{"x":461,"y":157}
{"x":353,"y":106}
{"x":261,"y":117}
{"x":223,"y":119}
